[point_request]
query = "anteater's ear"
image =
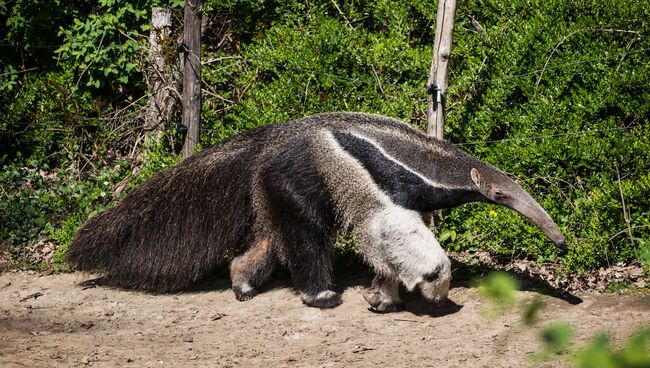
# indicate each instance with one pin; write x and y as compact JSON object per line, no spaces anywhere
{"x":476,"y":177}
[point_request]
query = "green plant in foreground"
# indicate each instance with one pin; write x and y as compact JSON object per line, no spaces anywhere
{"x":634,"y":352}
{"x":499,"y":287}
{"x":63,"y":235}
{"x":558,"y":337}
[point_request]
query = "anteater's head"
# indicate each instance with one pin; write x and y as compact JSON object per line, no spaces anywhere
{"x":496,"y":187}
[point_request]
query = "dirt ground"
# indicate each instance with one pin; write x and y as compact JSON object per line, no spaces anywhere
{"x":54,"y":320}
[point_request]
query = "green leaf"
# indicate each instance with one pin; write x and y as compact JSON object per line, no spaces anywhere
{"x":498,"y":287}
{"x":532,"y":310}
{"x":557,"y":336}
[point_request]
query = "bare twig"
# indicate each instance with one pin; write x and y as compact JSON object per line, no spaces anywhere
{"x":32,"y":296}
{"x":175,"y":91}
{"x":476,"y":74}
{"x":208,"y":91}
{"x":19,"y":72}
{"x":343,"y":15}
{"x":609,"y":30}
{"x":213,"y":60}
{"x":627,"y":49}
{"x":381,"y":89}
{"x":479,"y":28}
{"x":626,"y":230}
{"x":304,"y":100}
{"x":626,"y":214}
{"x":136,"y":144}
{"x":405,"y":320}
{"x":116,"y":113}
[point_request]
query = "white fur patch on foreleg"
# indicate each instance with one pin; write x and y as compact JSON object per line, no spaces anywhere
{"x":408,"y":245}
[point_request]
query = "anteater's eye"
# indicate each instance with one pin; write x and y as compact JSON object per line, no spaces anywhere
{"x":498,"y":194}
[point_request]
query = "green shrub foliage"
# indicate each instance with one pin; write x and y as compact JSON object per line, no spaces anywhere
{"x":556,"y":93}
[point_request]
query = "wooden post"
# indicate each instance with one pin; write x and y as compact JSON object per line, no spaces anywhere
{"x":192,"y":74}
{"x":437,"y":82}
{"x":161,"y":78}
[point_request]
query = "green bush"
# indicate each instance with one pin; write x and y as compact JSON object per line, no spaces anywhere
{"x":106,"y":45}
{"x":572,"y":76}
{"x":556,"y":93}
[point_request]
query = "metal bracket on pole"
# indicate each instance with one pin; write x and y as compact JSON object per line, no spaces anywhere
{"x":182,"y":48}
{"x":439,"y":96}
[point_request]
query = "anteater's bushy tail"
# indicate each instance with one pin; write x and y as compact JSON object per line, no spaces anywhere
{"x":174,"y":228}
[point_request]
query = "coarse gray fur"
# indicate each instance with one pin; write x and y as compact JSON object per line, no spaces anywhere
{"x":282,"y":192}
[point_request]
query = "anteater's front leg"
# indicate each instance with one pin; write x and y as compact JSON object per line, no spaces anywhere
{"x":308,"y":252}
{"x":402,"y":249}
{"x":383,"y":296}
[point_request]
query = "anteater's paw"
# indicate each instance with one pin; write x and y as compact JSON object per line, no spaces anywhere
{"x":244,"y":292}
{"x":324,"y":299}
{"x":388,"y":307}
{"x":382,"y":304}
{"x":373,"y":298}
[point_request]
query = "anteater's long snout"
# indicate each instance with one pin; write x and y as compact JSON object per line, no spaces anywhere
{"x":529,"y":208}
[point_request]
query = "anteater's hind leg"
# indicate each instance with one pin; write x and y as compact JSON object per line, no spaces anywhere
{"x":296,"y":208}
{"x":309,"y":256}
{"x":250,"y":270}
{"x":306,"y":245}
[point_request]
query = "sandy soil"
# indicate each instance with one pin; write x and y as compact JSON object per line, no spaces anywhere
{"x":54,"y":321}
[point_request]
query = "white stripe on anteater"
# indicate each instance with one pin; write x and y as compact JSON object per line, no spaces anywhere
{"x":403,"y":165}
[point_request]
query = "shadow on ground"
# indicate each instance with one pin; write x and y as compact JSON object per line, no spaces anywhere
{"x":464,"y":274}
{"x":350,"y":271}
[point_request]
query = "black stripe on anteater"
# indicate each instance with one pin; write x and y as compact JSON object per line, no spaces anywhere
{"x":404,"y":187}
